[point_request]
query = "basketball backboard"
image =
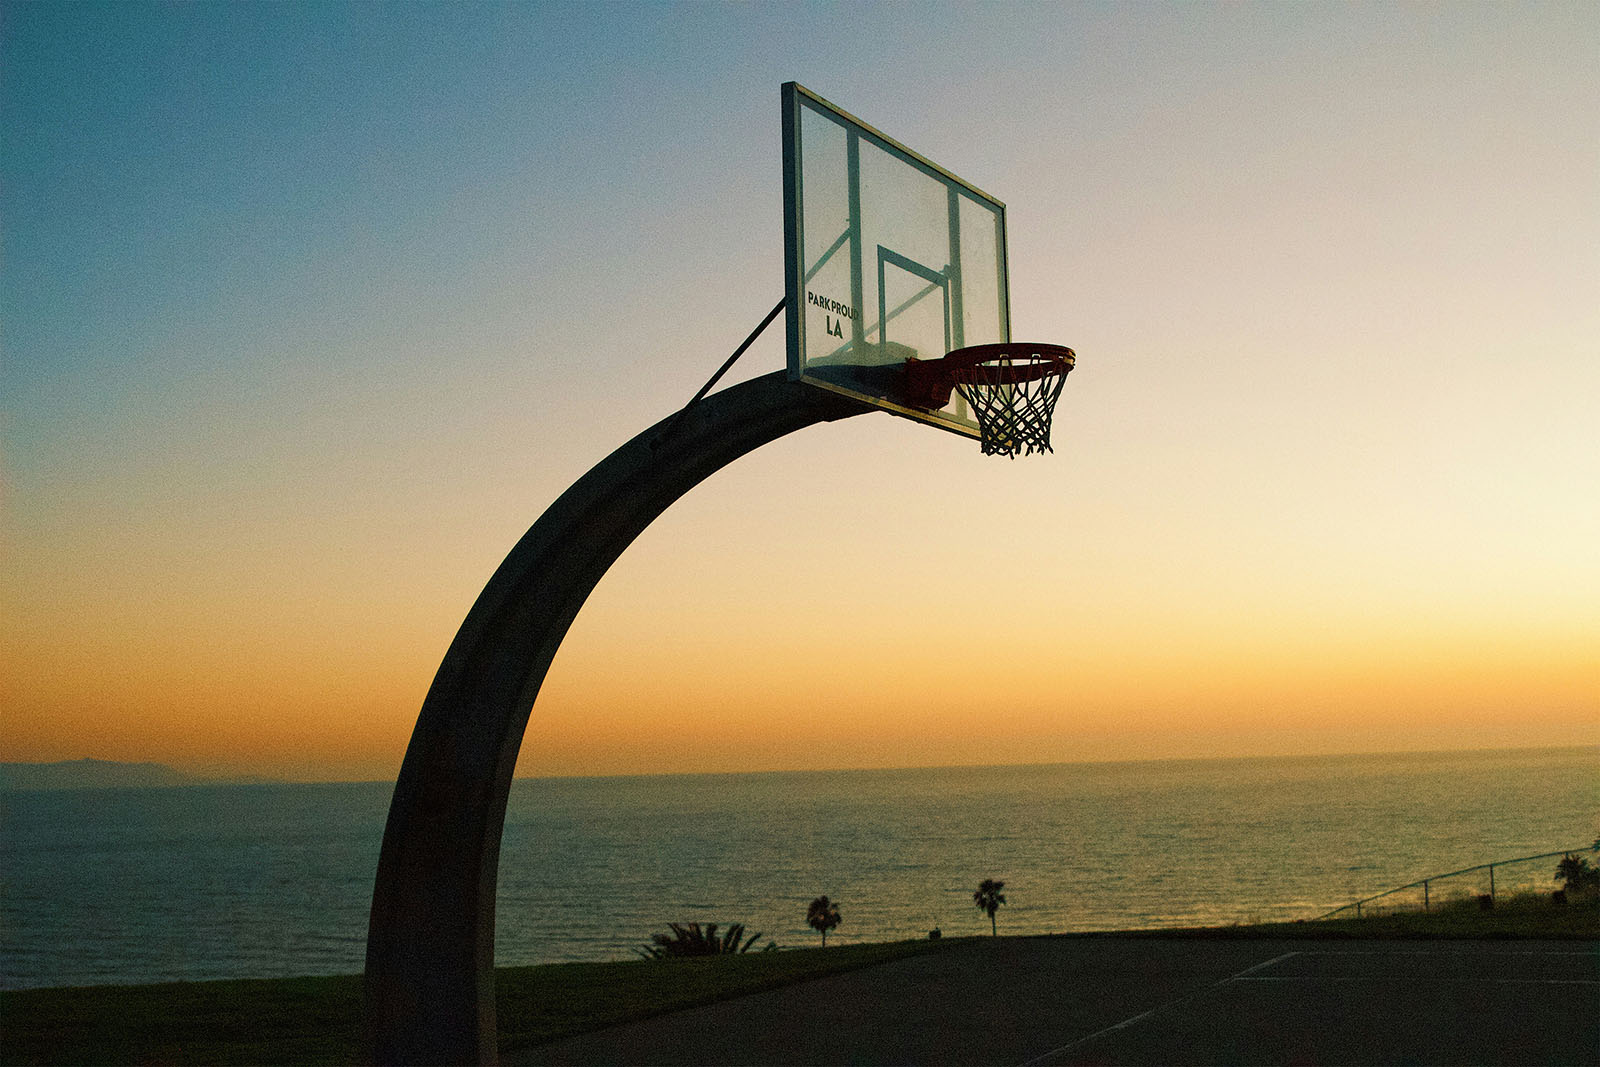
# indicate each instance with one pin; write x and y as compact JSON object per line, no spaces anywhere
{"x":888,"y":257}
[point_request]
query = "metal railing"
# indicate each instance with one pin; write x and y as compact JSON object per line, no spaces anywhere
{"x":1485,"y":880}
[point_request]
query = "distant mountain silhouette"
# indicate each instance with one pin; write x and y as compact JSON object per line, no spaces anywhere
{"x":90,"y":774}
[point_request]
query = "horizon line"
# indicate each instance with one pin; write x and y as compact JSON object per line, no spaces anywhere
{"x":256,"y":778}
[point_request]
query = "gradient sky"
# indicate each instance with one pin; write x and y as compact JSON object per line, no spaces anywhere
{"x":309,"y":311}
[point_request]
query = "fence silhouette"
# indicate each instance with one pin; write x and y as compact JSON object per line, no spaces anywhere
{"x":1525,"y":874}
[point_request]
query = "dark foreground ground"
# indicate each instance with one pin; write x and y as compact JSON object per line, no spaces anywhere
{"x":1075,"y":1000}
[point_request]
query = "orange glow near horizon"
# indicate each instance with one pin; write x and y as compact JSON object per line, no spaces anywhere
{"x":731,"y":637}
{"x":631,"y":694}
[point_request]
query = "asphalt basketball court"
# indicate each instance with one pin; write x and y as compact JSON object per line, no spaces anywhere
{"x":1093,"y":1000}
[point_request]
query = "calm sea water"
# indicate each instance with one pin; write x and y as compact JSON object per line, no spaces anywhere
{"x":144,"y":885}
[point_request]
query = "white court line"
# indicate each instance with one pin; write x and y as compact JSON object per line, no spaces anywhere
{"x":1434,"y":981}
{"x":1475,"y":950}
{"x":1244,"y":976}
{"x":1038,"y":1061}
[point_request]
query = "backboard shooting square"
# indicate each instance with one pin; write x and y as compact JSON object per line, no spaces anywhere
{"x":888,"y":257}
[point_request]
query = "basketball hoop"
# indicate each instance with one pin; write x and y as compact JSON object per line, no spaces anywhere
{"x":1012,"y":389}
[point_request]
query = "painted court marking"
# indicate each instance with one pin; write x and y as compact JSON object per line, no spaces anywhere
{"x":1038,"y":1061}
{"x":1434,"y":954}
{"x":1430,"y":981}
{"x":1250,"y":974}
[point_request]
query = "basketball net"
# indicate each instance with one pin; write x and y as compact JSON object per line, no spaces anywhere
{"x":1013,"y":396}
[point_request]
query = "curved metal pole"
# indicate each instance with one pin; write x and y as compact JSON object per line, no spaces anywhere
{"x":429,"y":987}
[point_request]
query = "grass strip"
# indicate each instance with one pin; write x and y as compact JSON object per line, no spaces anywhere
{"x":1526,"y":916}
{"x":1511,"y":918}
{"x":318,"y":1020}
{"x":240,"y":1021}
{"x":1407,"y":926}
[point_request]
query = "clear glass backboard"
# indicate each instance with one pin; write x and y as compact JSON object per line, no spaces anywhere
{"x":889,"y":257}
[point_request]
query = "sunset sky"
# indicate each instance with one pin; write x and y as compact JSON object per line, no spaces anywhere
{"x":309,"y":311}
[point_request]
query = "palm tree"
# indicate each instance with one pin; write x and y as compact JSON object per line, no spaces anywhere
{"x":822,"y":916}
{"x":989,"y":898}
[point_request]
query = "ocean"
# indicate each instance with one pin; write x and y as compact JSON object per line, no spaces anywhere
{"x":200,"y":882}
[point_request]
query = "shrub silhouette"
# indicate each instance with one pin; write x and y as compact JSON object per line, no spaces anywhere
{"x":822,"y":916}
{"x":989,"y":898}
{"x":688,"y":939}
{"x":1576,"y":874}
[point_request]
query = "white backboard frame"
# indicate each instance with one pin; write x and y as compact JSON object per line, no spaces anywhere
{"x":833,"y":341}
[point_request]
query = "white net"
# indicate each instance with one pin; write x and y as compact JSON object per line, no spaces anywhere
{"x":1013,"y":401}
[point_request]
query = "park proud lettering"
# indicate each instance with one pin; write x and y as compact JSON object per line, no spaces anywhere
{"x":832,"y":308}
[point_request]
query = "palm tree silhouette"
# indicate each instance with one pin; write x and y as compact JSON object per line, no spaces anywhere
{"x":989,"y":898}
{"x":822,"y":916}
{"x":689,"y":939}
